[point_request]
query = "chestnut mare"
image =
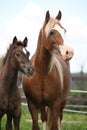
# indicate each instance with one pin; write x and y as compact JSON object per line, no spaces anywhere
{"x":49,"y":85}
{"x":10,"y":100}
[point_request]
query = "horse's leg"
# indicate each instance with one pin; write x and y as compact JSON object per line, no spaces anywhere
{"x":49,"y":119}
{"x":56,"y":116}
{"x":16,"y":122}
{"x":16,"y":118}
{"x":9,"y":121}
{"x":62,"y":107}
{"x":43,"y":111}
{"x":53,"y":118}
{"x":34,"y":114}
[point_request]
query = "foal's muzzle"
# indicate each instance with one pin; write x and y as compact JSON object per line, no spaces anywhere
{"x":30,"y":71}
{"x":27,"y":69}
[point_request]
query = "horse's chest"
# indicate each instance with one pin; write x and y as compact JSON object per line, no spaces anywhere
{"x":45,"y":90}
{"x":9,"y":102}
{"x":50,"y":90}
{"x":42,"y":89}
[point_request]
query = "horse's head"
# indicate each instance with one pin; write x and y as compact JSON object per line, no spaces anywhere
{"x":53,"y":32}
{"x":20,"y":56}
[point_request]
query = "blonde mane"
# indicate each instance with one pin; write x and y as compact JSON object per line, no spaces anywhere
{"x":55,"y":62}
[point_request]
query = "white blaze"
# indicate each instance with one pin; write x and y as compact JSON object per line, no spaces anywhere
{"x":60,"y":30}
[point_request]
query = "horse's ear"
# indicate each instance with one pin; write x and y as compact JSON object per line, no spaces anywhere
{"x":14,"y":40}
{"x":25,"y":41}
{"x":47,"y":18}
{"x":59,"y":15}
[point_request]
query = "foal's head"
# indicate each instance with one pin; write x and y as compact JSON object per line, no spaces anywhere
{"x":18,"y":56}
{"x":53,"y":33}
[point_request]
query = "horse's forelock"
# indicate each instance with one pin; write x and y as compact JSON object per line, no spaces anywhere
{"x":54,"y":24}
{"x":50,"y":25}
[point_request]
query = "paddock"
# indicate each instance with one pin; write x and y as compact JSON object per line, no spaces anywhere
{"x":70,"y":121}
{"x":71,"y":118}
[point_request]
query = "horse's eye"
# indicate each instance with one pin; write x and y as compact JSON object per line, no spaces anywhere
{"x":51,"y":33}
{"x":17,"y":54}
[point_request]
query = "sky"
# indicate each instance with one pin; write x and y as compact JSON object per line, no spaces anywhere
{"x":25,"y":18}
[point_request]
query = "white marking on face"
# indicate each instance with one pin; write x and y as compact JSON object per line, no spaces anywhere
{"x":24,"y":51}
{"x":60,"y":30}
{"x":47,"y":30}
{"x":49,"y":27}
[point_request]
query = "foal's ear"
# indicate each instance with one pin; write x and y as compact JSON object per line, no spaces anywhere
{"x":47,"y":17}
{"x":25,"y":41}
{"x":59,"y":15}
{"x":14,"y":40}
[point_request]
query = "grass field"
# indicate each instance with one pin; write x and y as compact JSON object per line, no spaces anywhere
{"x":71,"y":121}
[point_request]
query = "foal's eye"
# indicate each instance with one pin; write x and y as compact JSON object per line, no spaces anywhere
{"x":17,"y":54}
{"x":51,"y":33}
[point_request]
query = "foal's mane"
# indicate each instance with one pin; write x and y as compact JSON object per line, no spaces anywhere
{"x":6,"y":55}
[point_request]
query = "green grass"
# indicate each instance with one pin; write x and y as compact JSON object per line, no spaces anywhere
{"x":71,"y":121}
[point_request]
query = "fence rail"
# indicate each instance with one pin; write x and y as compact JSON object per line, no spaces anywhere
{"x":80,"y":102}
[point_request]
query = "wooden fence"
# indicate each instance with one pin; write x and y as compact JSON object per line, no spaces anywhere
{"x":74,"y":104}
{"x":78,"y":103}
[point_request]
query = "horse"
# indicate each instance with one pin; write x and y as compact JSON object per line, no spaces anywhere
{"x":46,"y":91}
{"x":16,"y":59}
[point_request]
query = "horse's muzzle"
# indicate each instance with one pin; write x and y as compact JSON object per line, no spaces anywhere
{"x":30,"y":71}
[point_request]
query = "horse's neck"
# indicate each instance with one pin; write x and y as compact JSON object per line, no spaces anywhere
{"x":42,"y":60}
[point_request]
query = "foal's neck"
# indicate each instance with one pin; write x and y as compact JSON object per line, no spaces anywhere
{"x":10,"y":74}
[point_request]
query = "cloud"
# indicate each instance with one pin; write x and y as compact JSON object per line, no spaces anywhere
{"x":76,"y":28}
{"x":26,"y":20}
{"x":77,"y":37}
{"x":26,"y":23}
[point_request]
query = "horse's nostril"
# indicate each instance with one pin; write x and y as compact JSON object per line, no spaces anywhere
{"x":30,"y":70}
{"x":24,"y":66}
{"x":67,"y":52}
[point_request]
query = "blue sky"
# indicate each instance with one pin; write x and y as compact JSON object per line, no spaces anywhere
{"x":25,"y":18}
